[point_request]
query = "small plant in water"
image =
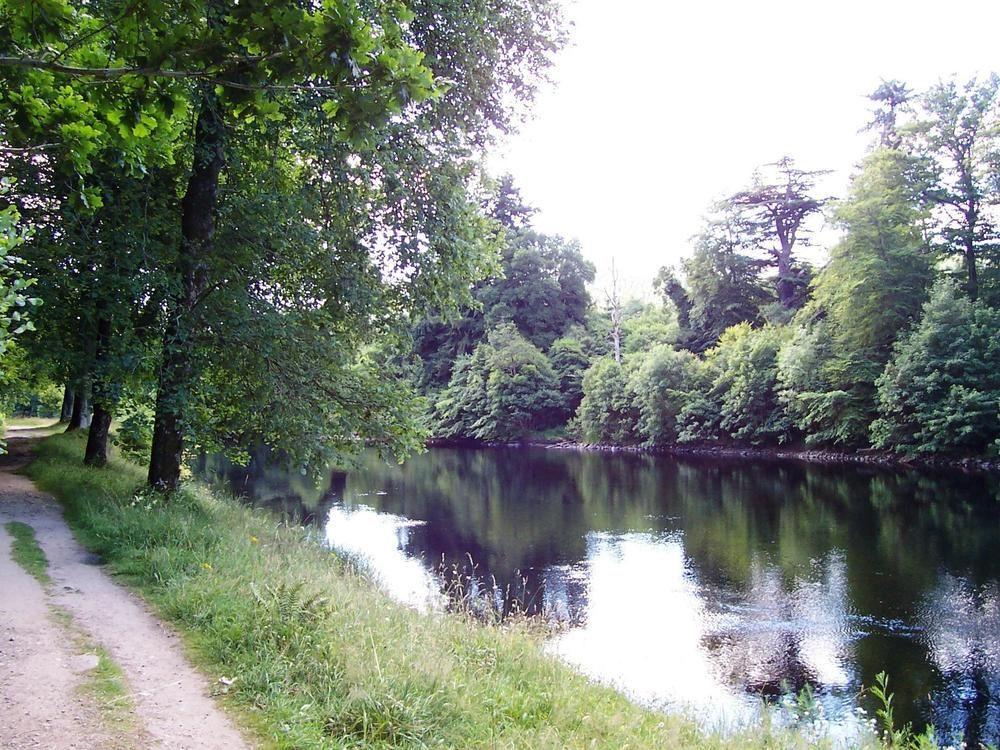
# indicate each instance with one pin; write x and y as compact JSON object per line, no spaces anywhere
{"x":483,"y":599}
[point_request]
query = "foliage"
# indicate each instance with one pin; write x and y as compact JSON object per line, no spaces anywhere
{"x":724,"y":285}
{"x":871,"y":290}
{"x":14,"y":299}
{"x":505,"y":391}
{"x":134,"y":435}
{"x":774,"y":214}
{"x":742,"y":401}
{"x":956,"y":133}
{"x":940,"y":392}
{"x":543,"y":291}
{"x":541,"y":288}
{"x":607,"y":412}
{"x":661,"y":384}
{"x":569,"y":362}
{"x":14,"y":296}
{"x":647,"y":328}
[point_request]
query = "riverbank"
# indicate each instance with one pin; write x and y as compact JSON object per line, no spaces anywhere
{"x":313,"y":655}
{"x":970,"y":464}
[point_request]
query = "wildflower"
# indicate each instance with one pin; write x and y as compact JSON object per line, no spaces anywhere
{"x":206,"y":566}
{"x":254,"y":540}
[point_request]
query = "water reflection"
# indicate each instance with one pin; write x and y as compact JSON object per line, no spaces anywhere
{"x":699,"y":584}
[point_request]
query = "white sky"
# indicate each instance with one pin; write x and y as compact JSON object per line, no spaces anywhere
{"x":659,"y":108}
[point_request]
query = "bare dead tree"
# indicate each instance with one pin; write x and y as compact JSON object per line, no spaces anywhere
{"x":613,"y":298}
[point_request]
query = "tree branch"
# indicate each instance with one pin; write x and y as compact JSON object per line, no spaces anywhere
{"x":113,"y":74}
{"x":29,"y":149}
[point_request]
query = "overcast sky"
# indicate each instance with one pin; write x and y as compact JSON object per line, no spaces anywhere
{"x":658,"y":108}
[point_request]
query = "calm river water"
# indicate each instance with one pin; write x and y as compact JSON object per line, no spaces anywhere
{"x":697,"y":585}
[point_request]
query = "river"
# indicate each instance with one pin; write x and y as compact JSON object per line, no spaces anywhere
{"x":695,"y":585}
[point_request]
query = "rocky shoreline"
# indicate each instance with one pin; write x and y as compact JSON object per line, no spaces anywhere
{"x":969,"y":464}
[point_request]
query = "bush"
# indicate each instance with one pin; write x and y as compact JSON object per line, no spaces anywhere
{"x":662,"y":383}
{"x":607,"y":413}
{"x":940,"y":393}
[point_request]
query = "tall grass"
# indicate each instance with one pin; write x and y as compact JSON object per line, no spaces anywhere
{"x":316,"y":657}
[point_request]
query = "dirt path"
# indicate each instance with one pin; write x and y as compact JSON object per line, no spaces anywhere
{"x":40,"y":704}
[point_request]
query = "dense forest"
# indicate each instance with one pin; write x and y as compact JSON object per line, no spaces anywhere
{"x":893,"y":343}
{"x":249,"y":228}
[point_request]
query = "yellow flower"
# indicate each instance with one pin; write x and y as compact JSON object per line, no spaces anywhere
{"x":254,"y":540}
{"x":206,"y":566}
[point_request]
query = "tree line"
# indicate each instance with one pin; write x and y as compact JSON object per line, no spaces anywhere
{"x":893,"y":344}
{"x":232,"y":212}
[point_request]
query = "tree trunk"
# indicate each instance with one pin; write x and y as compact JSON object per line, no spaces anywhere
{"x":66,"y":413}
{"x":97,"y":438}
{"x":197,"y":230}
{"x":972,"y":283}
{"x":81,"y":409}
{"x":103,"y":396}
{"x":786,"y":285}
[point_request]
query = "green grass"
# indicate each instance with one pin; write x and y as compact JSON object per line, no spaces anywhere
{"x":317,"y":656}
{"x":26,"y":552}
{"x":104,"y":685}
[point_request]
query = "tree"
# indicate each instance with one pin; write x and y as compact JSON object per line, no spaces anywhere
{"x":540,"y":286}
{"x":958,"y":133}
{"x":543,"y":290}
{"x":648,"y":327}
{"x":869,"y":293}
{"x":940,"y":393}
{"x":506,"y":391}
{"x":672,"y":291}
{"x":326,"y":85}
{"x":892,"y":98}
{"x":14,"y":299}
{"x":613,"y":303}
{"x":607,"y":413}
{"x":508,"y":207}
{"x":661,"y":384}
{"x":741,"y":401}
{"x":773,"y":213}
{"x":724,"y":285}
{"x":570,"y":362}
{"x":236,"y":59}
{"x":464,"y":402}
{"x":522,"y":388}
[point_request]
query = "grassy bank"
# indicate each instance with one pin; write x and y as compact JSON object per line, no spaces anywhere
{"x":314,"y":656}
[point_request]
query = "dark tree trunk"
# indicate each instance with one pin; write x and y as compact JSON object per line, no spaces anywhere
{"x":66,"y":413}
{"x":81,"y":409}
{"x":969,"y":244}
{"x":197,"y":230}
{"x":786,"y":284}
{"x":972,"y":275}
{"x":97,"y":439}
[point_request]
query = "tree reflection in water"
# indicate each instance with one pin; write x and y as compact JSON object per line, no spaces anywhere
{"x":698,"y":583}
